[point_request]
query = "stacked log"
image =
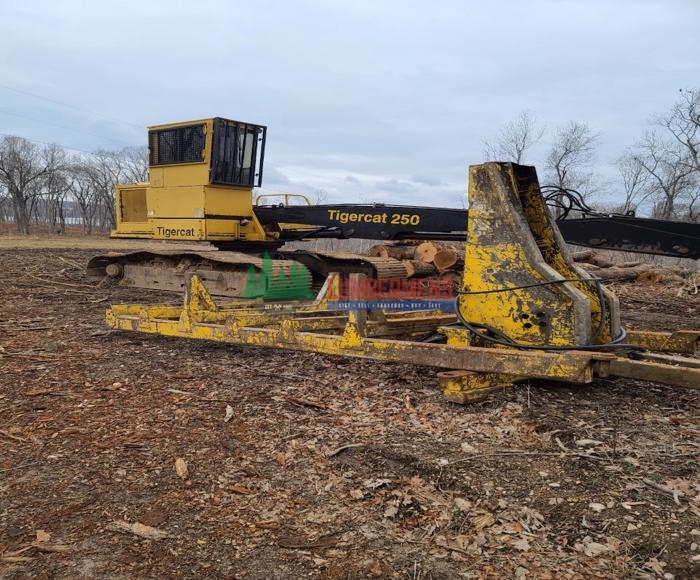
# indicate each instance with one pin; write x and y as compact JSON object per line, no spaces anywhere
{"x":607,"y":270}
{"x":423,"y":259}
{"x":418,"y":269}
{"x":449,"y":258}
{"x":426,"y":251}
{"x":398,"y":252}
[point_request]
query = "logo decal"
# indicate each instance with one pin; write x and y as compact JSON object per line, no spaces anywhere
{"x":294,"y":284}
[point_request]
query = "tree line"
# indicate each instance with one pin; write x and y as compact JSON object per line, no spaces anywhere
{"x":45,"y":184}
{"x":660,"y":171}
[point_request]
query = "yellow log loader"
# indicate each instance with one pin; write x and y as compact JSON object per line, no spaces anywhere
{"x":201,"y":196}
{"x":523,"y":308}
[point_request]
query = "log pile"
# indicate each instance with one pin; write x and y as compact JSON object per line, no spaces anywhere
{"x":424,"y":259}
{"x":636,"y":271}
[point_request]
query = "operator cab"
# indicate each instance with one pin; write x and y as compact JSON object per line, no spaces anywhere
{"x":234,"y":154}
{"x":201,"y":179}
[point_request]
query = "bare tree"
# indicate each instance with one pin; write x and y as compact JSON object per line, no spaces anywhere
{"x":5,"y":204}
{"x":56,"y":194}
{"x":49,"y":206}
{"x":671,"y":177}
{"x":41,"y":184}
{"x":683,"y":122}
{"x":24,"y":169}
{"x":514,"y":139}
{"x":84,"y":193}
{"x":635,"y":182}
{"x":107,"y":168}
{"x":688,"y":210}
{"x":134,"y":164}
{"x":669,"y":157}
{"x":568,"y":163}
{"x":104,"y":169}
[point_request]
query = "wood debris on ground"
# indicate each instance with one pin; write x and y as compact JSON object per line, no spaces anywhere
{"x":326,"y":467}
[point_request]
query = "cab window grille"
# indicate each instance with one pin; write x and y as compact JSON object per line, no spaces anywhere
{"x":177,"y":145}
{"x":237,"y":153}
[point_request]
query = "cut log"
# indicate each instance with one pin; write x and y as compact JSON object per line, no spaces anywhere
{"x":583,"y":256}
{"x":400,"y":252}
{"x":390,"y":268}
{"x":449,"y":258}
{"x":376,"y":251}
{"x":600,"y":261}
{"x":418,"y":269}
{"x":617,"y":273}
{"x":641,"y":273}
{"x":425,"y":252}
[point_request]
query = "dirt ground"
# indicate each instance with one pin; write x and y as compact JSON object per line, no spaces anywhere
{"x":328,"y":467}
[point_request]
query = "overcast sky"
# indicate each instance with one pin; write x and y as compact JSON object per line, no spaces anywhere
{"x":376,"y":100}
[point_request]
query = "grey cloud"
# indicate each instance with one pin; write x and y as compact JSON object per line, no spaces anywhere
{"x":426,"y":180}
{"x":394,"y":186}
{"x":274,"y":176}
{"x":395,"y":90}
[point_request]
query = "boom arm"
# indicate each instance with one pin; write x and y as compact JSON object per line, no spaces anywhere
{"x":394,"y":222}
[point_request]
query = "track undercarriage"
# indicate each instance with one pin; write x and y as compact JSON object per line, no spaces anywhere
{"x":225,"y":273}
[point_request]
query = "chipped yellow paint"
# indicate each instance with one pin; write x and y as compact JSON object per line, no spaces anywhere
{"x":318,"y":330}
{"x":197,"y":299}
{"x":681,"y":341}
{"x":468,"y":387}
{"x":351,"y":337}
{"x":456,"y":336}
{"x":517,"y":268}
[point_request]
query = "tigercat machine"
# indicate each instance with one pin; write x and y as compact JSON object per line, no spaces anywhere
{"x":197,"y":215}
{"x":524,"y":310}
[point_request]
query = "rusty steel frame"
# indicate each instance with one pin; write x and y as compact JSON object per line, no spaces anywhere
{"x":314,"y":327}
{"x":474,"y":371}
{"x":519,"y":281}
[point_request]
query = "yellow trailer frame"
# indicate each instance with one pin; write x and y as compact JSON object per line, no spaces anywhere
{"x":544,"y":317}
{"x":475,"y":371}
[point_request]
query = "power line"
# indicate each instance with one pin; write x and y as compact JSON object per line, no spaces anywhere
{"x":49,"y":144}
{"x":60,"y":126}
{"x":49,"y":100}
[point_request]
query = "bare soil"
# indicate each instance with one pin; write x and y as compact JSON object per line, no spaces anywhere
{"x":329,"y":467}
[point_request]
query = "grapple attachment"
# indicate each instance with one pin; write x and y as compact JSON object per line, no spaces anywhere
{"x":521,"y":286}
